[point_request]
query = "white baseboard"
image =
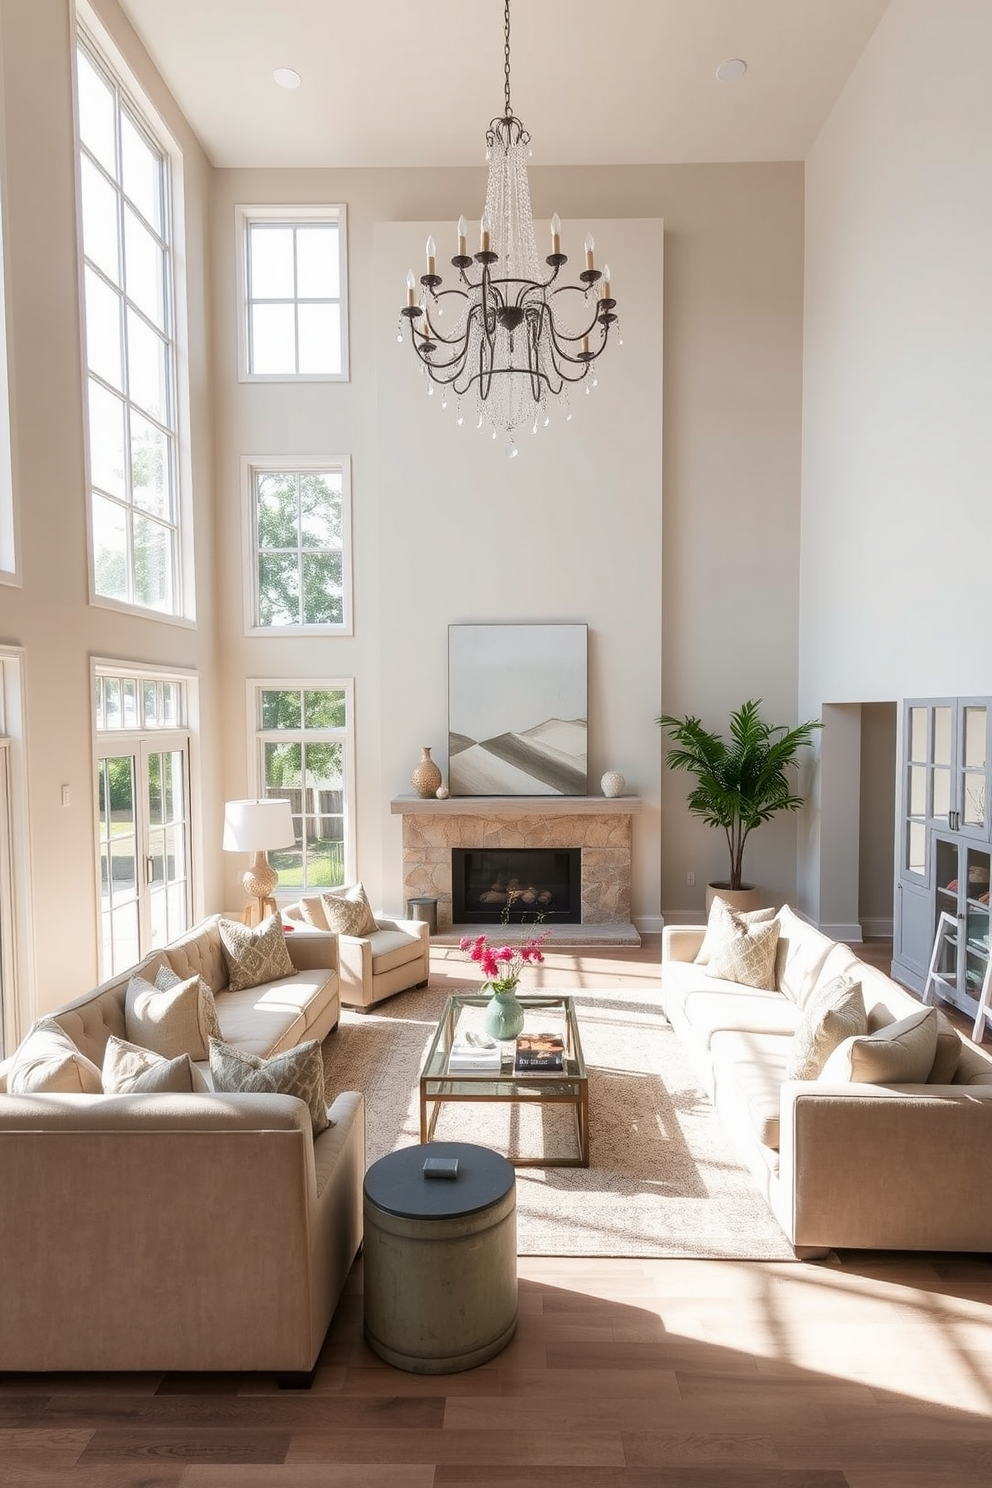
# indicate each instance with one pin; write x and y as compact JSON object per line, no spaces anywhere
{"x":650,"y":924}
{"x":877,"y":927}
{"x":849,"y":933}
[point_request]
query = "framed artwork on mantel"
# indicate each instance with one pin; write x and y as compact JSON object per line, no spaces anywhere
{"x":517,"y":710}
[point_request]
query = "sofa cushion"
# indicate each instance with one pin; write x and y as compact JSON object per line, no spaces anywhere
{"x":255,"y":955}
{"x":722,"y":926}
{"x":901,"y":1053}
{"x":348,"y":911}
{"x":260,"y":1019}
{"x":747,"y":955}
{"x":170,"y":1020}
{"x":47,"y":1062}
{"x":949,"y":1045}
{"x":130,"y":1070}
{"x":974,"y":1067}
{"x":710,"y":1007}
{"x":391,"y":948}
{"x":834,"y":1013}
{"x":755,"y":1063}
{"x":311,"y":912}
{"x":801,"y":953}
{"x":298,"y":1071}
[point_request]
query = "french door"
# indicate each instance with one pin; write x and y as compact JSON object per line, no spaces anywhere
{"x":144,"y":845}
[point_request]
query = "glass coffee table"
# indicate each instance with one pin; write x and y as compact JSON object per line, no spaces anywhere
{"x":569,"y":1086}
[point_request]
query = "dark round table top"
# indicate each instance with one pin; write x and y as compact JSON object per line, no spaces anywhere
{"x":396,"y":1183}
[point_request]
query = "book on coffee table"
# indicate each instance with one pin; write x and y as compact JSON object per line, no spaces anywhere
{"x":539,"y":1051}
{"x":475,"y":1053}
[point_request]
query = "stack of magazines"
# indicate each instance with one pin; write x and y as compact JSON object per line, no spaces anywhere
{"x":539,"y":1051}
{"x":474,"y":1051}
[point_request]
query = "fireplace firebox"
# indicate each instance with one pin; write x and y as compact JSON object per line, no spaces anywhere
{"x":519,"y":885}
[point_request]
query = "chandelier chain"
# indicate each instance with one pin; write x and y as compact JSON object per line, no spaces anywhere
{"x":506,"y":59}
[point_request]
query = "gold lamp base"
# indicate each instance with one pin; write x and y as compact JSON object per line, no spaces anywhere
{"x":259,"y":881}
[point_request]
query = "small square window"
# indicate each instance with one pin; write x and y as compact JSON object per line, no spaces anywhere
{"x":293,"y":300}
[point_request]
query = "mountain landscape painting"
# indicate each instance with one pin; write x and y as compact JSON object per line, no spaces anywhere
{"x":517,"y":709}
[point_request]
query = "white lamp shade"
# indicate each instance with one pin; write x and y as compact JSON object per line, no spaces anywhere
{"x":258,"y":826}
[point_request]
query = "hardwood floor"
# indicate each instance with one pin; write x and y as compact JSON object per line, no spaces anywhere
{"x":868,"y":1371}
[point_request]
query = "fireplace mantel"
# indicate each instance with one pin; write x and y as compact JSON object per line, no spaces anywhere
{"x":600,"y":825}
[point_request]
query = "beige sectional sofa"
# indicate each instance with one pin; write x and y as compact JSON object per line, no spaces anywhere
{"x":200,"y":1231}
{"x":842,"y":1165}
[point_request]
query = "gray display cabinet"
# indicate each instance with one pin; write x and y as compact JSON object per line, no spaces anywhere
{"x":942,"y":845}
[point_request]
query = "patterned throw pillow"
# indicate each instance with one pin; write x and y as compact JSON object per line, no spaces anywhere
{"x":348,"y":911}
{"x":723,"y":925}
{"x":130,"y":1070}
{"x":47,"y":1061}
{"x":747,"y":954}
{"x":170,"y":1020}
{"x":835,"y":1012}
{"x":165,"y":978}
{"x":256,"y":955}
{"x":298,"y":1072}
{"x":900,"y":1054}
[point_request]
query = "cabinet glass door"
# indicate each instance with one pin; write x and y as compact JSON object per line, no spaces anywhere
{"x":947,"y":897}
{"x":974,"y":768}
{"x":976,"y":920}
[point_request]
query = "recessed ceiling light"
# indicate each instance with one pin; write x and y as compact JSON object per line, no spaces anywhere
{"x":286,"y":77}
{"x":733,"y":68}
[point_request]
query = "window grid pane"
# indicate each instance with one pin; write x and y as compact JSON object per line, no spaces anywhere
{"x":130,"y":348}
{"x":293,"y":299}
{"x":138,"y":703}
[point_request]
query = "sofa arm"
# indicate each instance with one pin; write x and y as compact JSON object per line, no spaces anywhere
{"x":681,"y":942}
{"x":313,"y":950}
{"x":884,"y":1168}
{"x":420,"y":928}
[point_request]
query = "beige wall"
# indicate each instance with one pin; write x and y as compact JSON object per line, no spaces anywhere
{"x":578,"y":514}
{"x":49,"y":616}
{"x":896,"y":520}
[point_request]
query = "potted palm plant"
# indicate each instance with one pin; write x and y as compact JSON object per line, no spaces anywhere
{"x":740,"y":783}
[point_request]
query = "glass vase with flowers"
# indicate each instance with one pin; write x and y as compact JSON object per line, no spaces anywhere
{"x":501,"y":966}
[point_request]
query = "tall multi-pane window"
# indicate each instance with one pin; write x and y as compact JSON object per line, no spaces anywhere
{"x":7,"y":556}
{"x":304,"y":741}
{"x":294,"y":305}
{"x":128,"y":310}
{"x":300,"y":540}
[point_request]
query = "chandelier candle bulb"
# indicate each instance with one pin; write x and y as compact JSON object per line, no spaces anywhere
{"x":462,"y":237}
{"x":485,"y":228}
{"x":431,"y":256}
{"x":411,"y":288}
{"x":607,"y":294}
{"x":556,"y":234}
{"x":590,"y":247}
{"x":585,"y":345}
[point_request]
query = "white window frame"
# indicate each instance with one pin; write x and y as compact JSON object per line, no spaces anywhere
{"x":258,"y":737}
{"x":289,"y":216}
{"x":16,"y":883}
{"x":93,"y":37}
{"x":128,"y":739}
{"x":252,"y":465}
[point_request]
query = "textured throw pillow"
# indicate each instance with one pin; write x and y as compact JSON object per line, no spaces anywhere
{"x":348,"y":911}
{"x":256,"y":955}
{"x":722,"y":926}
{"x":312,"y":912}
{"x":298,"y":1072}
{"x":900,"y":1054}
{"x":171,"y":1020}
{"x":835,"y":1012}
{"x":130,"y":1070}
{"x":165,"y":978}
{"x":748,"y":953}
{"x":948,"y":1055}
{"x":47,"y":1062}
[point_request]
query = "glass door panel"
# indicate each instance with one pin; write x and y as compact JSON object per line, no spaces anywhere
{"x":974,"y":765}
{"x":947,"y":899}
{"x":118,"y":831}
{"x":166,"y":866}
{"x":976,"y":919}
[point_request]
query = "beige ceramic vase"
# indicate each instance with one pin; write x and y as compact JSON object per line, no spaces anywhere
{"x":747,"y":897}
{"x":426,"y":777}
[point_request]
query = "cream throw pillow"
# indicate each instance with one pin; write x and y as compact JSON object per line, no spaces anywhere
{"x":171,"y":1020}
{"x":747,"y":955}
{"x":835,"y":1012}
{"x":165,"y":978}
{"x":47,"y":1062}
{"x":348,"y":911}
{"x":722,"y":926}
{"x":256,"y":955}
{"x":900,"y":1054}
{"x":948,"y":1055}
{"x":298,"y":1072}
{"x":312,"y":911}
{"x":130,"y":1070}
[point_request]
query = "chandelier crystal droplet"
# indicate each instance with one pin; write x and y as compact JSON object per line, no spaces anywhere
{"x":521,"y":335}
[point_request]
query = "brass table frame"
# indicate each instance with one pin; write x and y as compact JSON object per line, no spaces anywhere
{"x":569,"y":1086}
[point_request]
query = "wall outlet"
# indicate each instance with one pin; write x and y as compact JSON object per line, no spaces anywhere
{"x":690,"y":879}
{"x":66,"y":796}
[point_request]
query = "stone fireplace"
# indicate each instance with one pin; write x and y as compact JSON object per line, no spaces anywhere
{"x":597,"y":828}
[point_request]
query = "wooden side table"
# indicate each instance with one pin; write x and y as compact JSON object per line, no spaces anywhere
{"x":440,"y":1258}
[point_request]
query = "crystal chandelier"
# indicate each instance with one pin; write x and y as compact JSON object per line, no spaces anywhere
{"x":512,"y":347}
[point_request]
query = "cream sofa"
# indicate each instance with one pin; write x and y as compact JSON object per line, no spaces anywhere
{"x":889,"y":1167}
{"x":395,"y":957}
{"x":181,"y":1232}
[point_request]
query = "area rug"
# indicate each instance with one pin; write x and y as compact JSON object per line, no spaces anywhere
{"x":663,"y":1179}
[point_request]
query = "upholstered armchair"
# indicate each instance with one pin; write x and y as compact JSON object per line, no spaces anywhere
{"x":389,"y":959}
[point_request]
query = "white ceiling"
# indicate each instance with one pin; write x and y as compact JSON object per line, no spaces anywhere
{"x":597,"y":82}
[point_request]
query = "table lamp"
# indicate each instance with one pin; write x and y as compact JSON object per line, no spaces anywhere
{"x":259,"y":827}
